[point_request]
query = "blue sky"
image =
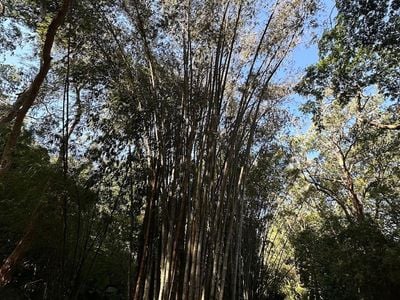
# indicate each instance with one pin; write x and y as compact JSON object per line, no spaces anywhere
{"x":19,"y":57}
{"x":305,"y":55}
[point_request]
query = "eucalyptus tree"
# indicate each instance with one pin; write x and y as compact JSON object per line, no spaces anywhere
{"x":349,"y":184}
{"x":351,"y":164}
{"x":26,"y":99}
{"x":346,"y":184}
{"x":347,"y":161}
{"x":359,"y":57}
{"x":17,"y":114}
{"x":68,"y":71}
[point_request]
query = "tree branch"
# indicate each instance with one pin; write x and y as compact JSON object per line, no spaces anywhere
{"x":28,"y":97}
{"x":385,"y":126}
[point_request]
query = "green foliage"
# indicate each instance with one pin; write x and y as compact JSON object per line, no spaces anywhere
{"x":358,"y":56}
{"x":33,"y":193}
{"x":26,"y":183}
{"x":337,"y":260}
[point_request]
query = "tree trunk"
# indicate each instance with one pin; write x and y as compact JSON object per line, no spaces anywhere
{"x":28,"y":97}
{"x":19,"y":252}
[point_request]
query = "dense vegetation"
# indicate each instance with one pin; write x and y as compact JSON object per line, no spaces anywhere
{"x":147,"y":150}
